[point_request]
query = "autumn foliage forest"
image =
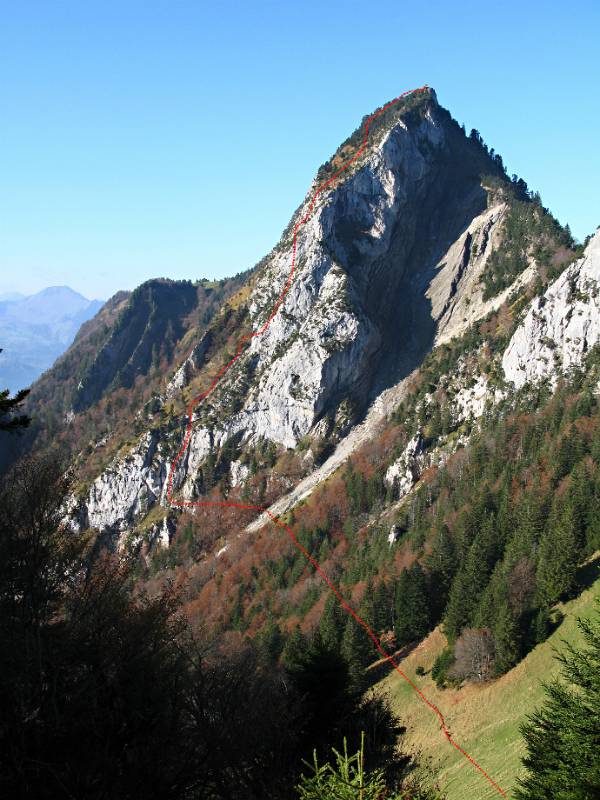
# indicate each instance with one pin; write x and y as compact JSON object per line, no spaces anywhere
{"x":486,"y":546}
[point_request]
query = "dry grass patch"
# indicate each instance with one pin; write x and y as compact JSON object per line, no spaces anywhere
{"x":484,"y":719}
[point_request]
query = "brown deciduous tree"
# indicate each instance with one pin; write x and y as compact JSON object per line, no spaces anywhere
{"x":474,"y":655}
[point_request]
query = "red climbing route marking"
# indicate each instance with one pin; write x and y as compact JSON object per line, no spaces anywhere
{"x":263,"y":509}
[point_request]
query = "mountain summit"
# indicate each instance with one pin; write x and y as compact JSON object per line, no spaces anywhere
{"x":405,"y":250}
{"x":399,"y":254}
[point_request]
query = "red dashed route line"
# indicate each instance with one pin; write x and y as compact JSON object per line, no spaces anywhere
{"x":264,"y":510}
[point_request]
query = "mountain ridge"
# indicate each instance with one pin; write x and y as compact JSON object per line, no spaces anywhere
{"x":342,"y":294}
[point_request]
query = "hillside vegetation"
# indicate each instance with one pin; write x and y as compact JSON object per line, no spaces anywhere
{"x":484,"y":718}
{"x":458,"y":525}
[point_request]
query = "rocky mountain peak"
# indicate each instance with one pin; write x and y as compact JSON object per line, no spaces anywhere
{"x":390,"y":261}
{"x":400,"y":252}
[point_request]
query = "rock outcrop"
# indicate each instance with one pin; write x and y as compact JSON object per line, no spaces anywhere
{"x":126,"y":489}
{"x":406,"y":470}
{"x":190,"y":367}
{"x":380,"y":263}
{"x":560,"y":326}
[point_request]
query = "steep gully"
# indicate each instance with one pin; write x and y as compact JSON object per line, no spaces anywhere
{"x":268,"y":512}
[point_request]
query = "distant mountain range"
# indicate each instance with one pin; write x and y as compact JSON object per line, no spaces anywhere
{"x":11,"y":296}
{"x":36,"y":329}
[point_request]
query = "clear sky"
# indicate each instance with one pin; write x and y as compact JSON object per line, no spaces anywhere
{"x":140,"y":139}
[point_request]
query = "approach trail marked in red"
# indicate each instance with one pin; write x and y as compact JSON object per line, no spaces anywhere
{"x":263,"y":509}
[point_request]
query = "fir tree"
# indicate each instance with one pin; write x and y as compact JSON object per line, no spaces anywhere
{"x":558,"y":558}
{"x":459,"y":609}
{"x":383,"y":608}
{"x":569,"y":451}
{"x":320,"y":676}
{"x":270,"y":641}
{"x":563,"y":737}
{"x":595,"y":445}
{"x":294,"y":648}
{"x":540,"y":626}
{"x":472,"y":579}
{"x":506,"y":638}
{"x":358,"y":651}
{"x":442,"y":565}
{"x":413,"y":617}
{"x":331,"y":624}
{"x":530,"y":516}
{"x":580,"y":499}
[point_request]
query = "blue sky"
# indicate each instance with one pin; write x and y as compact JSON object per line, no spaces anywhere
{"x":140,"y":139}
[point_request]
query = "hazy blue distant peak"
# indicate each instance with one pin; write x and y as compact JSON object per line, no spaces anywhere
{"x":10,"y":297}
{"x":36,"y":329}
{"x":48,"y":306}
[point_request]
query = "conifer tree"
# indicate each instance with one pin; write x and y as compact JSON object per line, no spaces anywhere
{"x":270,"y":641}
{"x":506,"y":638}
{"x":563,"y":737}
{"x":358,"y":651}
{"x":592,"y":533}
{"x":530,"y":516}
{"x":383,"y":608}
{"x":595,"y":445}
{"x":540,"y":625}
{"x":367,"y":605}
{"x":459,"y":609}
{"x":442,"y":565}
{"x":569,"y":451}
{"x":331,"y":624}
{"x":294,"y":648}
{"x":413,"y":617}
{"x":580,"y":499}
{"x":558,"y":558}
{"x":321,"y":677}
{"x":472,"y":579}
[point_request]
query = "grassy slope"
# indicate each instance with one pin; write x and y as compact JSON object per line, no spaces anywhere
{"x":482,"y":719}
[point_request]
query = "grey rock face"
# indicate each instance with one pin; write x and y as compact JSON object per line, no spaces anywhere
{"x":560,"y":326}
{"x":127,"y":489}
{"x":384,"y":266}
{"x":190,"y":366}
{"x":406,"y":470}
{"x":238,"y":473}
{"x":394,"y":534}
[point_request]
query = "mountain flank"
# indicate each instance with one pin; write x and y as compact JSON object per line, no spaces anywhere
{"x":423,"y":410}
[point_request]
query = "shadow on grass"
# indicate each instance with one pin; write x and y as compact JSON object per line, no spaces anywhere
{"x":589,"y":573}
{"x":377,"y":671}
{"x":585,"y":577}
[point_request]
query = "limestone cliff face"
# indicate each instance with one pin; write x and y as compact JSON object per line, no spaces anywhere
{"x":560,"y":326}
{"x":558,"y":329}
{"x":127,"y":489}
{"x":388,"y":264}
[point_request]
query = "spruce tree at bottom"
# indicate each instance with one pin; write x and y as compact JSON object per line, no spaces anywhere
{"x":331,"y":623}
{"x":358,"y":650}
{"x":413,"y":619}
{"x":563,"y":737}
{"x":558,"y":558}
